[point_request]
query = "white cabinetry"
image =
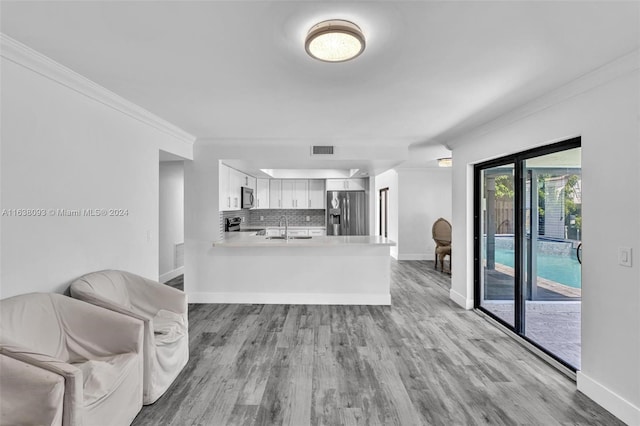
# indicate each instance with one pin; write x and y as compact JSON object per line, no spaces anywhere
{"x":316,"y":194}
{"x":229,"y":188}
{"x":236,"y":180}
{"x":231,"y":182}
{"x":345,"y":184}
{"x":262,"y":194}
{"x":243,"y":179}
{"x":224,"y":202}
{"x":275,"y":193}
{"x":296,"y":232}
{"x":251,"y":182}
{"x":294,"y":193}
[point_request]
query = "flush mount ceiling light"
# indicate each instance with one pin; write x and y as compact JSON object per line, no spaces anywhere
{"x":445,"y":162}
{"x":335,"y":40}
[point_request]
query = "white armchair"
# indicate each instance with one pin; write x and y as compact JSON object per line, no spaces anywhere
{"x":164,"y":312}
{"x":97,"y":354}
{"x":29,"y":394}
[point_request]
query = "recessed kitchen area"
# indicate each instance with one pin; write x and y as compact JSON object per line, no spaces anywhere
{"x":302,"y":205}
{"x":309,"y":228}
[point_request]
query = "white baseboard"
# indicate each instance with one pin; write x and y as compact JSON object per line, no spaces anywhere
{"x":414,"y":256}
{"x":291,"y":298}
{"x":171,"y":274}
{"x":460,"y":300}
{"x":609,"y":400}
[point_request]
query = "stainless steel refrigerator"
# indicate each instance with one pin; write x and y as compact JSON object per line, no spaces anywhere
{"x":346,"y":213}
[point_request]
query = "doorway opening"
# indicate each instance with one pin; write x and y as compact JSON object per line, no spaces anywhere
{"x":170,"y":217}
{"x":384,"y":212}
{"x":528,"y":223}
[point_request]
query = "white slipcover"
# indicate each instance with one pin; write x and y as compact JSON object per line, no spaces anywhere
{"x":164,"y":312}
{"x":98,"y":354}
{"x":29,"y":395}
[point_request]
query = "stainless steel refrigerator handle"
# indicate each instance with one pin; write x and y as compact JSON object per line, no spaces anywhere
{"x":349,"y":213}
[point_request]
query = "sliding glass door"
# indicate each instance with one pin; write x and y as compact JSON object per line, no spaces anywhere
{"x":528,"y":237}
{"x":497,"y":254}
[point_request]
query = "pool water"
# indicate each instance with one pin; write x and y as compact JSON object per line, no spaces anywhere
{"x":561,"y":269}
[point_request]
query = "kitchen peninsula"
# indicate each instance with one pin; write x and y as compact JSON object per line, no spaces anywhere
{"x":250,"y":268}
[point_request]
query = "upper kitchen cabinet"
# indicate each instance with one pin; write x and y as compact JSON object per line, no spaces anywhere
{"x":345,"y":184}
{"x":241,"y":179}
{"x":275,"y":193}
{"x":294,"y":193}
{"x":225,"y":200}
{"x":262,"y":194}
{"x":316,"y":194}
{"x":231,"y":182}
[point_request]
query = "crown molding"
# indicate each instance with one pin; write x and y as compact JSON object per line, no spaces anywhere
{"x":589,"y":81}
{"x":25,"y":56}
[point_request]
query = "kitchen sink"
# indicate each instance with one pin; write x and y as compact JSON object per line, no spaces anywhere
{"x":291,"y":238}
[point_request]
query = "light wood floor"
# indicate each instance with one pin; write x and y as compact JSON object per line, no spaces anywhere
{"x":422,"y":361}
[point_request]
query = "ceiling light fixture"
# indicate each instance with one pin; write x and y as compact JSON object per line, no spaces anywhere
{"x":335,"y":40}
{"x":445,"y":162}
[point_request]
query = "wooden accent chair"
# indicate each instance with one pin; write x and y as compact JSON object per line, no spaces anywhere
{"x":441,"y":233}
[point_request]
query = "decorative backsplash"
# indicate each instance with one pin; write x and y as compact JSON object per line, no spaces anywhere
{"x":270,"y":217}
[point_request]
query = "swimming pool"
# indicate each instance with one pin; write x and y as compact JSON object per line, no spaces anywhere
{"x":561,"y":269}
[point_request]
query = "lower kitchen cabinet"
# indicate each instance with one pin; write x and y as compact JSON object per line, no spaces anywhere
{"x":297,"y":232}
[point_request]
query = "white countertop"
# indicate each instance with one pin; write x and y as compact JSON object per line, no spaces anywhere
{"x":282,"y":227}
{"x":249,"y":239}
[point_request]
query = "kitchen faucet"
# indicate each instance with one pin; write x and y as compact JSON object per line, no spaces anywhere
{"x":286,"y":226}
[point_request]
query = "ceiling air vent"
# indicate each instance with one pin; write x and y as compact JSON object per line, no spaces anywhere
{"x":322,"y":150}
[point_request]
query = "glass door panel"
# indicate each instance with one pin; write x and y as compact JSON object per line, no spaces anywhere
{"x":497,"y":249}
{"x":553,"y":279}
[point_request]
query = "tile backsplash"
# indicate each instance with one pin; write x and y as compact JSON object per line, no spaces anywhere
{"x":270,"y":217}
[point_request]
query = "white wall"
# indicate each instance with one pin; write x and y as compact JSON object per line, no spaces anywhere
{"x":62,"y":149}
{"x":171,"y":216}
{"x":389,"y":179}
{"x":606,"y":117}
{"x":424,"y":196}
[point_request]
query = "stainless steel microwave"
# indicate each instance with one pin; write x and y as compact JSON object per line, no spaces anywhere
{"x":247,"y":198}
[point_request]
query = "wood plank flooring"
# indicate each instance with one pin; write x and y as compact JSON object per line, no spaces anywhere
{"x":422,"y":361}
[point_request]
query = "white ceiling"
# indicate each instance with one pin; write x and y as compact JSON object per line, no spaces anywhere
{"x":238,"y":70}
